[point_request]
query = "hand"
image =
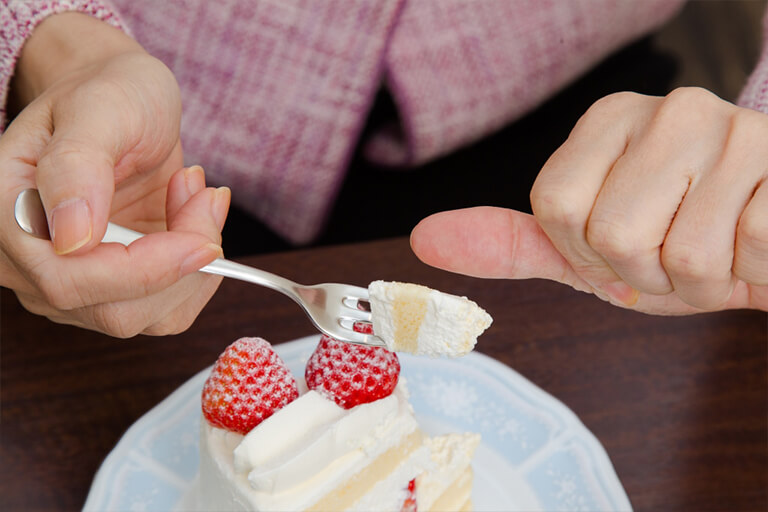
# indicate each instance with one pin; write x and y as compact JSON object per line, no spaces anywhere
{"x":655,"y":204}
{"x":99,"y":138}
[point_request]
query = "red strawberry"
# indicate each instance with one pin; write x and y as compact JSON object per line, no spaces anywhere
{"x":363,"y":327}
{"x":248,"y":383}
{"x":409,"y":505}
{"x":351,"y":374}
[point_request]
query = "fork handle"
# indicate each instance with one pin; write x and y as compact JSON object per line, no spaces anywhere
{"x":220,"y":266}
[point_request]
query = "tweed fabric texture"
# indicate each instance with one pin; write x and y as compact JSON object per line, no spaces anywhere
{"x":755,"y":93}
{"x":461,"y":69}
{"x":276,"y":92}
{"x":18,"y":18}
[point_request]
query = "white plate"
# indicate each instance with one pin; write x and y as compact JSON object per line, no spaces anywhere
{"x":535,"y":453}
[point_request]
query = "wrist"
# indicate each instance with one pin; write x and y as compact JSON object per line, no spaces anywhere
{"x":59,"y":45}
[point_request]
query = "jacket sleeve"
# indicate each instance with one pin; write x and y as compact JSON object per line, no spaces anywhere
{"x":18,"y":18}
{"x":755,"y":92}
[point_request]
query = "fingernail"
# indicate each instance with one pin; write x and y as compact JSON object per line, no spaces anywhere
{"x":200,"y":258}
{"x":220,"y":205}
{"x":72,"y":225}
{"x":194,"y":179}
{"x":621,"y":292}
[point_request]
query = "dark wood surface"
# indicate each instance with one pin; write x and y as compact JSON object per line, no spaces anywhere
{"x":680,"y":404}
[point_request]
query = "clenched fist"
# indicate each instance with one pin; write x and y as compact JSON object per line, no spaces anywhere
{"x":659,"y":204}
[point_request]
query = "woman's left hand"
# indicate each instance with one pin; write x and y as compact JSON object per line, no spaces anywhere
{"x":658,"y":204}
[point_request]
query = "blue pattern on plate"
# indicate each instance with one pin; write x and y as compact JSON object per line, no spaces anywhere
{"x":535,"y":453}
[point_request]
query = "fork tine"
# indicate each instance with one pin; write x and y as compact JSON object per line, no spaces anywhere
{"x":365,"y":339}
{"x":356,"y":314}
{"x":356,"y":303}
{"x":350,"y":323}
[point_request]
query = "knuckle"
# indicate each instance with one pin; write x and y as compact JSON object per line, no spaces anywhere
{"x":593,"y":272}
{"x":56,"y":289}
{"x":685,"y":106}
{"x":612,"y":240}
{"x":746,"y":134}
{"x":711,"y":301}
{"x":57,"y":300}
{"x":105,"y":90}
{"x":144,"y":283}
{"x":143,"y":278}
{"x":753,"y":232}
{"x":609,"y":103}
{"x":110,"y":318}
{"x":751,"y":272}
{"x":686,"y":262}
{"x":558,"y":208}
{"x":168,"y":326}
{"x":748,"y":124}
{"x":604,"y":112}
{"x":69,"y":153}
{"x":686,"y":98}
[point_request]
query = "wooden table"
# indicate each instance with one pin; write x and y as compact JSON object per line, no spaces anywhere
{"x":680,"y":404}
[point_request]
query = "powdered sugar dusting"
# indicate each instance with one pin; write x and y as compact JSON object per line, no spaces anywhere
{"x":351,"y":374}
{"x":418,"y":320}
{"x":248,"y":383}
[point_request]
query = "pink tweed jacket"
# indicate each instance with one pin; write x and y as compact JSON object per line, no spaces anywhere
{"x":276,"y":92}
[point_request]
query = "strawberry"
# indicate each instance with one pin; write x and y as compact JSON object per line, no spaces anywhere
{"x":351,"y":374}
{"x":248,"y":383}
{"x":409,"y":505}
{"x":363,"y":327}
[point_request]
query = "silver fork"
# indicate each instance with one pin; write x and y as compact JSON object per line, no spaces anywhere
{"x":333,"y":308}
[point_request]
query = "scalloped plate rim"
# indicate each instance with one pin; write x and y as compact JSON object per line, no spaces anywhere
{"x":177,"y":400}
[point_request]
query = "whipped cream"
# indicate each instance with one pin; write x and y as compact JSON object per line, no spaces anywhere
{"x":418,"y":320}
{"x":304,"y":451}
{"x":451,"y":456}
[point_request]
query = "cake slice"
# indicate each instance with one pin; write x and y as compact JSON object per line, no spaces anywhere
{"x":415,"y":319}
{"x":344,"y":438}
{"x":448,"y":486}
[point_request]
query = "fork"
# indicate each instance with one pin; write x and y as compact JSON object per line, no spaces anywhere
{"x":341,"y":311}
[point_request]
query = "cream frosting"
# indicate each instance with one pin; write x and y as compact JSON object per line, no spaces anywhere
{"x":416,"y":319}
{"x":312,"y":453}
{"x":304,"y":451}
{"x":451,"y":455}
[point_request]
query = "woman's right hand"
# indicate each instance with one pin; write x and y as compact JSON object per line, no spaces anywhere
{"x":98,"y":135}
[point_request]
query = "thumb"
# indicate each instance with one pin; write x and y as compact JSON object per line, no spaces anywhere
{"x":76,"y":188}
{"x":491,"y":242}
{"x":75,"y":174}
